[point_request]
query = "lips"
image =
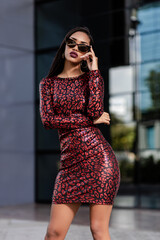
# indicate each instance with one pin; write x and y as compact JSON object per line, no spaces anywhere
{"x":73,"y":54}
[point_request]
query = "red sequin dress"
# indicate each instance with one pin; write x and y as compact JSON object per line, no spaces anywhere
{"x":89,"y":171}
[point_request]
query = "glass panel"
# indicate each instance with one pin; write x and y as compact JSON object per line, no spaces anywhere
{"x":112,"y":19}
{"x":150,"y":166}
{"x":99,"y":51}
{"x":121,"y":79}
{"x":47,"y":139}
{"x":149,"y":16}
{"x":145,"y":101}
{"x":44,"y":62}
{"x":149,"y":105}
{"x":116,"y":59}
{"x":47,"y":170}
{"x":126,"y":201}
{"x":149,"y":77}
{"x":151,"y":200}
{"x":139,"y":200}
{"x":86,"y":8}
{"x":123,"y":143}
{"x":121,"y":108}
{"x":150,"y":47}
{"x":150,"y":137}
{"x":91,"y":19}
{"x":53,"y":19}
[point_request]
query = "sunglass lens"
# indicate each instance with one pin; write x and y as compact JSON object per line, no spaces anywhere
{"x":84,"y":48}
{"x":70,"y":43}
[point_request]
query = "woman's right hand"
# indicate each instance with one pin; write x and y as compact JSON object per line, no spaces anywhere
{"x":104,"y":118}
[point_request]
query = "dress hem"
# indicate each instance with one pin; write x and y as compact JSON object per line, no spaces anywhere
{"x":92,"y":202}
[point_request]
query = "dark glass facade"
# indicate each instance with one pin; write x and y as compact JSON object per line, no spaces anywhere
{"x":127,"y":37}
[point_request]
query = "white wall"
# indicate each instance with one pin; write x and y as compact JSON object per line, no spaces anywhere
{"x":16,"y":102}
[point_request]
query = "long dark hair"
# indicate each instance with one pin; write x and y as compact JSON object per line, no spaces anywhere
{"x":58,"y":62}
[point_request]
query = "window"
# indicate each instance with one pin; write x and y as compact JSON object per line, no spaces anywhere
{"x":150,"y":136}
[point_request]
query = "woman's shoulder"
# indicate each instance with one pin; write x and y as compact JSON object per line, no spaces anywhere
{"x":47,"y":80}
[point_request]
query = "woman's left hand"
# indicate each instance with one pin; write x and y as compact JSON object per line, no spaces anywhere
{"x":91,"y":65}
{"x":104,"y":118}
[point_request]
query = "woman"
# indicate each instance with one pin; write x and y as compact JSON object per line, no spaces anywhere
{"x":72,"y":101}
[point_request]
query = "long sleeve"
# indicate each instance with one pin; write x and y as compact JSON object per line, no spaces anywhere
{"x":48,"y":117}
{"x":95,"y":106}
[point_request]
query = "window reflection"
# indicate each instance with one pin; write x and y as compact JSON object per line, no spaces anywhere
{"x":53,"y":18}
{"x":145,"y":73}
{"x":150,"y":136}
{"x":149,"y":15}
{"x":121,"y":79}
{"x":121,"y":107}
{"x":123,"y":141}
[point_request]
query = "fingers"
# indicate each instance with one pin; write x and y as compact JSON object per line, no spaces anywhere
{"x":107,"y":122}
{"x":92,"y":50}
{"x":107,"y":118}
{"x":107,"y":115}
{"x":86,"y":55}
{"x":89,"y":55}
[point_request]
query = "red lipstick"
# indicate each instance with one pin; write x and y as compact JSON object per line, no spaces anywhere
{"x":73,"y":54}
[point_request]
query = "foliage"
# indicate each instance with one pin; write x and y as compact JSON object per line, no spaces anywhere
{"x":153,"y":83}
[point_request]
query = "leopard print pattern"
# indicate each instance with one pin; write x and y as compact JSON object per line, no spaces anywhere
{"x":89,"y":171}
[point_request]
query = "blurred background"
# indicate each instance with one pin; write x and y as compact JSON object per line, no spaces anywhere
{"x":127,"y":44}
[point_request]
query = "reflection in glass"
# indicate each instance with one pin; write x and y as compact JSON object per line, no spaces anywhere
{"x":150,"y":47}
{"x":153,"y":83}
{"x":123,"y":142}
{"x":150,"y":136}
{"x":47,"y":169}
{"x":122,"y":107}
{"x":53,"y":18}
{"x":121,"y":80}
{"x":150,"y":168}
{"x":149,"y":103}
{"x":44,"y":61}
{"x":145,"y":73}
{"x":47,"y":140}
{"x":149,"y":15}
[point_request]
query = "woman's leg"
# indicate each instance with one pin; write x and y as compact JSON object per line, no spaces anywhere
{"x":99,"y":221}
{"x":61,"y":217}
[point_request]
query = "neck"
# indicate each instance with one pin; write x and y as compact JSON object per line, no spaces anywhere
{"x":71,"y":69}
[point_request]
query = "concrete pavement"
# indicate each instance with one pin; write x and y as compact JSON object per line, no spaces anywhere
{"x":13,"y":229}
{"x":30,"y":221}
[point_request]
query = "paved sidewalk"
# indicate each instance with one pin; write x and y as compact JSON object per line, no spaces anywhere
{"x":30,"y":221}
{"x":12,"y":229}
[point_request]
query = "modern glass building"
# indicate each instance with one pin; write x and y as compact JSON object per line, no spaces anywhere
{"x":127,"y":44}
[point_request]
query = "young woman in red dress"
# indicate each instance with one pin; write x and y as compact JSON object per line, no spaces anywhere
{"x":72,"y":101}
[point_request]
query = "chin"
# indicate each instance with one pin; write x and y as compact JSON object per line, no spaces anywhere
{"x":74,"y":60}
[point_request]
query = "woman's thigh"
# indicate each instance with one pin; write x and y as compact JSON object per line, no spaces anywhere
{"x":100,"y":216}
{"x":61,"y":216}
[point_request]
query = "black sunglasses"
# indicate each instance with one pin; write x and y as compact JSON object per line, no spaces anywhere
{"x":81,"y":47}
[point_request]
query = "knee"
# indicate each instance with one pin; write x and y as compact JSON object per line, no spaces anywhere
{"x":95,"y":228}
{"x":52,"y":234}
{"x":98,"y":230}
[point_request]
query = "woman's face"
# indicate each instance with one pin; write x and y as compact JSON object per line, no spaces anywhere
{"x":78,"y":37}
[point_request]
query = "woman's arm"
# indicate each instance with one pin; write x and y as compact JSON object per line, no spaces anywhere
{"x":48,"y":117}
{"x":95,"y":106}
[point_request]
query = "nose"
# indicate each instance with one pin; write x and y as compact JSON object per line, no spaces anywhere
{"x":76,"y":48}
